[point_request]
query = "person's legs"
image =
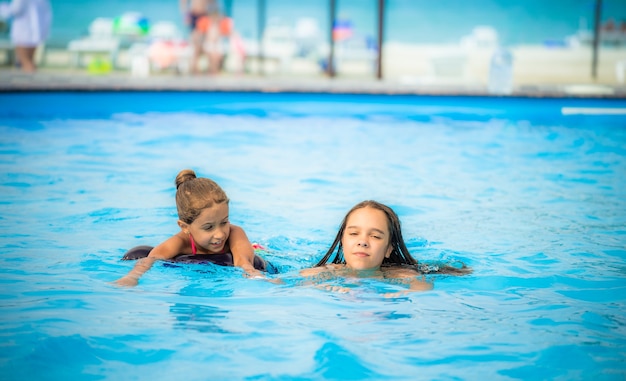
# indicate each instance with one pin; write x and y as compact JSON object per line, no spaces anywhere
{"x":26,"y":56}
{"x":215,"y":60}
{"x":214,"y":55}
{"x":214,"y":49}
{"x":197,"y":39}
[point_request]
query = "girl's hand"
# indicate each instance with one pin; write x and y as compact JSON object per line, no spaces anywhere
{"x":127,"y":281}
{"x":339,"y":289}
{"x":252,"y":273}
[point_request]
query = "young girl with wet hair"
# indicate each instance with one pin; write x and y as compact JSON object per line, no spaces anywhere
{"x":370,"y":243}
{"x":205,"y":230}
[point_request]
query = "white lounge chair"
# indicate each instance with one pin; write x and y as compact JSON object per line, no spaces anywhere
{"x":308,"y":36}
{"x":101,"y":40}
{"x":164,"y":30}
{"x":278,"y":48}
{"x":620,"y":70}
{"x":6,"y":47}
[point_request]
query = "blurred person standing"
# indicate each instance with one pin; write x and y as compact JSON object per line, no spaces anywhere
{"x":193,"y":11}
{"x":218,"y":31}
{"x":30,"y":26}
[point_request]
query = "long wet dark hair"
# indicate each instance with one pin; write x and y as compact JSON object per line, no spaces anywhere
{"x":399,"y":256}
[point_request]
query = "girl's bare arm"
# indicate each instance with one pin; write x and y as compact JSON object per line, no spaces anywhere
{"x":409,"y":277}
{"x":242,"y":251}
{"x":166,"y":250}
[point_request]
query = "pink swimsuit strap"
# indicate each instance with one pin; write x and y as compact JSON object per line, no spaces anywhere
{"x":194,"y":251}
{"x":193,"y":245}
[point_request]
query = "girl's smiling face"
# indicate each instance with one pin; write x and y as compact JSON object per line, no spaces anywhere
{"x":366,"y":238}
{"x":211,"y":229}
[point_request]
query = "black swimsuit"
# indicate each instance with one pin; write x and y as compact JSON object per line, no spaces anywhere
{"x":224,"y":259}
{"x":194,"y":17}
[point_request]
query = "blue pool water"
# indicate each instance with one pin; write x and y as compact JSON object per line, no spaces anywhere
{"x":531,"y":193}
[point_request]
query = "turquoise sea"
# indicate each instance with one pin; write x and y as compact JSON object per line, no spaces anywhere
{"x":416,"y":21}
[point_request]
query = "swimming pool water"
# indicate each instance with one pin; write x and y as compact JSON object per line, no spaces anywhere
{"x":532,"y":199}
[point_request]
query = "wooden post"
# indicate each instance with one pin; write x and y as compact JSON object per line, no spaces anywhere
{"x":228,"y":8}
{"x":596,"y":38}
{"x":331,"y":55}
{"x":260,"y":31}
{"x":381,"y":28}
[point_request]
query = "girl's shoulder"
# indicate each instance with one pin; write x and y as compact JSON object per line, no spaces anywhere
{"x":237,"y":230}
{"x":177,"y":244}
{"x":399,"y":272}
{"x":313,"y":271}
{"x":233,"y":226}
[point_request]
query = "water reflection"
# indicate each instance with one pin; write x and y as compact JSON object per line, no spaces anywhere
{"x":202,"y":318}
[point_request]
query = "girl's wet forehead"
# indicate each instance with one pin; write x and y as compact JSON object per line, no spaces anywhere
{"x":213,"y":214}
{"x":368,"y":218}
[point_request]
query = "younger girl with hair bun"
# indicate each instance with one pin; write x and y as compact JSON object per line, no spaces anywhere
{"x":205,"y":230}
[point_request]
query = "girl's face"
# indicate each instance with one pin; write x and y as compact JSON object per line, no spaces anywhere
{"x":365,"y":239}
{"x":211,"y":229}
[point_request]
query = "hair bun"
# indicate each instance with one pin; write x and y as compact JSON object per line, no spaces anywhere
{"x":184,"y":175}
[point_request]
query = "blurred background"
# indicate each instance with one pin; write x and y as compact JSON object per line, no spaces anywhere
{"x":524,"y":42}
